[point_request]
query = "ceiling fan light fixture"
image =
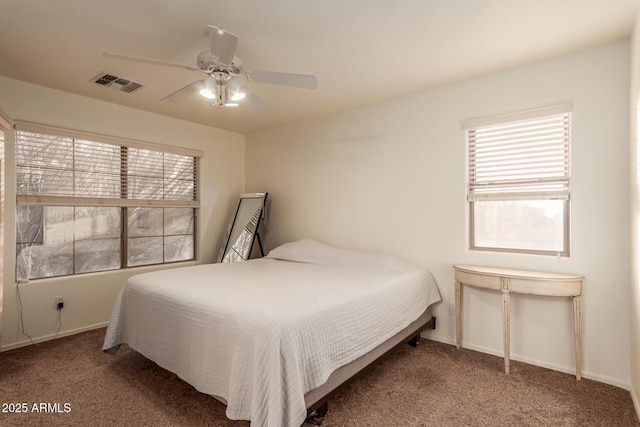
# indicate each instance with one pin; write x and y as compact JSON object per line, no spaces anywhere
{"x":238,"y":96}
{"x":232,"y":94}
{"x":234,"y":91}
{"x":207,"y":93}
{"x":209,"y":89}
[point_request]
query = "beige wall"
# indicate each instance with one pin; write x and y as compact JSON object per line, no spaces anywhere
{"x":89,"y":298}
{"x":391,"y":177}
{"x":634,"y":180}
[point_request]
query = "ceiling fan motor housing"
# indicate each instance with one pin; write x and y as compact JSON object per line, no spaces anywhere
{"x":207,"y":63}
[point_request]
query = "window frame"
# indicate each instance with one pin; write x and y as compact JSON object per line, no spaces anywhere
{"x":124,"y":200}
{"x":564,"y":109}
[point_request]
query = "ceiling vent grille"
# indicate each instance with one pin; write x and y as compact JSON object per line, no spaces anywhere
{"x":116,"y":83}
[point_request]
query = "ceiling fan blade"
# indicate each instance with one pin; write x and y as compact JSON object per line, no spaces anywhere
{"x":150,"y":61}
{"x":223,"y":45}
{"x":191,"y":87}
{"x":254,"y":101}
{"x":304,"y":81}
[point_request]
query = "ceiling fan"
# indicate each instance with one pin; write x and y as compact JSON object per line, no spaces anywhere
{"x":223,"y":69}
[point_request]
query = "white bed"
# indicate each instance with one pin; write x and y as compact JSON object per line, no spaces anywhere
{"x":260,"y":334}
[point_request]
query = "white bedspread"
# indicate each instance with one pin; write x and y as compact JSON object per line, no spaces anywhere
{"x":261,"y":333}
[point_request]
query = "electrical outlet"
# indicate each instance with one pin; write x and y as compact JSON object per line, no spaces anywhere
{"x":452,"y":309}
{"x":59,"y":302}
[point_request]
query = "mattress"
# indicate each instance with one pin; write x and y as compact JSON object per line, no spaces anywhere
{"x":261,"y":333}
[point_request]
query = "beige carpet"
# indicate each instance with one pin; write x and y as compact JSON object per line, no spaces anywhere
{"x":433,"y":385}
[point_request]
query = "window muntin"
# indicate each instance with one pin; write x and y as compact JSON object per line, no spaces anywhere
{"x":519,"y":182}
{"x":75,"y":197}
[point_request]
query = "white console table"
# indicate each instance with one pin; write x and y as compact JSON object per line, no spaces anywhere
{"x":523,"y":282}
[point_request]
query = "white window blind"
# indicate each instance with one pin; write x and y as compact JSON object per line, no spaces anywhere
{"x":55,"y":167}
{"x":523,"y":159}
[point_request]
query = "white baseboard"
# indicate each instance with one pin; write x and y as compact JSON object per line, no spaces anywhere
{"x":636,"y":401}
{"x":52,"y":336}
{"x":566,"y":369}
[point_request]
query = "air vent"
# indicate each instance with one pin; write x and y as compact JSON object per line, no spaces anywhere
{"x":116,"y":83}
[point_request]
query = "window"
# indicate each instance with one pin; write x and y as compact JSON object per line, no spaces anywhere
{"x":89,"y":203}
{"x":519,"y":181}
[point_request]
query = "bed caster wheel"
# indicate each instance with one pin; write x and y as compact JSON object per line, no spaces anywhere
{"x":317,"y":416}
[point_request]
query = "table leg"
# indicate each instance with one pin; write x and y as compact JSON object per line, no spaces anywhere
{"x":506,"y":320}
{"x":577,"y":330}
{"x":458,"y":291}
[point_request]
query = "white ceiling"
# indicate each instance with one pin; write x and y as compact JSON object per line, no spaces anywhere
{"x":361,"y":51}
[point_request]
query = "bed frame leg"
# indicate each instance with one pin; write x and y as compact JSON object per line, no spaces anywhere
{"x":432,"y":323}
{"x":415,"y":340}
{"x":318,"y":415}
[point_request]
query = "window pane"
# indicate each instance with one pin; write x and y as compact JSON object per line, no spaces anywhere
{"x":143,"y":162}
{"x":144,"y":251}
{"x":97,"y":239}
{"x":53,"y":229}
{"x":178,"y":167}
{"x":178,"y":221}
{"x":44,"y":164}
{"x":520,"y":225}
{"x":30,"y":224}
{"x":89,"y":184}
{"x":97,"y":222}
{"x":97,"y":168}
{"x":178,"y":248}
{"x":179,"y":190}
{"x":97,"y":255}
{"x":51,"y":182}
{"x":144,"y":222}
{"x":179,"y":177}
{"x":37,"y":150}
{"x":145,"y":174}
{"x":144,"y":187}
{"x":45,"y":260}
{"x":58,"y":224}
